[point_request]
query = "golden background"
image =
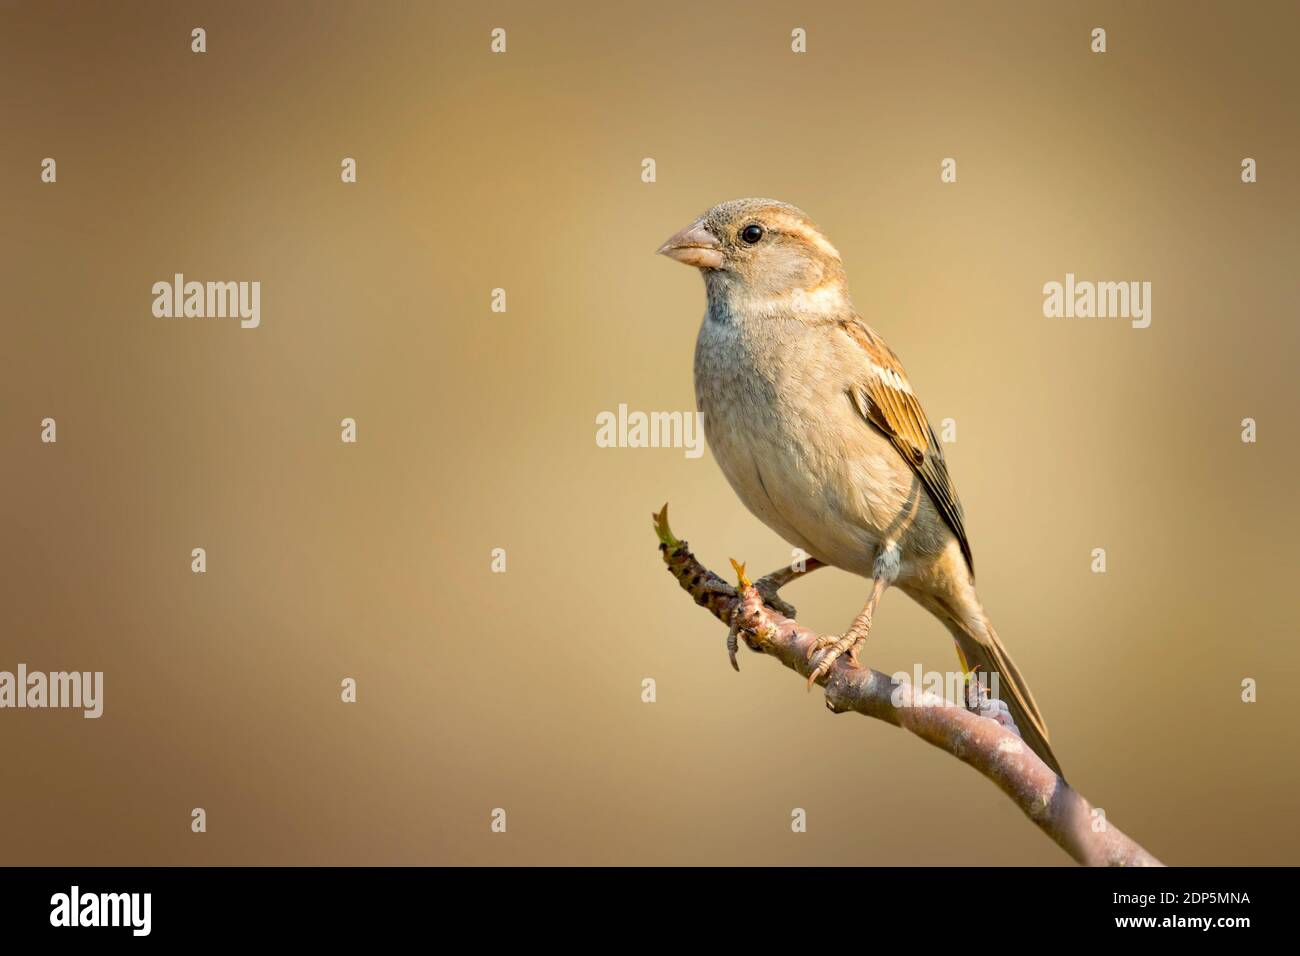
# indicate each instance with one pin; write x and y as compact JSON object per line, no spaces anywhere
{"x":477,"y":430}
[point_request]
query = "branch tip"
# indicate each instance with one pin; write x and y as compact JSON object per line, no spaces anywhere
{"x":740,"y":573}
{"x":664,"y":532}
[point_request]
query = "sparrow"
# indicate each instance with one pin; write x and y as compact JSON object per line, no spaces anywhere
{"x":819,"y":432}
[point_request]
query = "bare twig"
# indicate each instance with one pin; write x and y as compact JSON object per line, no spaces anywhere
{"x":993,"y":750}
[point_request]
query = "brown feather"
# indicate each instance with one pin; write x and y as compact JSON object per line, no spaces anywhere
{"x":885,"y":399}
{"x":988,"y":656}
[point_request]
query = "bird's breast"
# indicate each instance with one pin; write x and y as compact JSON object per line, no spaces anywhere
{"x":779,"y":422}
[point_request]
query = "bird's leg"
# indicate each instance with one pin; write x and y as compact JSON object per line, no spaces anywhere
{"x":832,"y":646}
{"x":717,"y":587}
{"x":769,"y":584}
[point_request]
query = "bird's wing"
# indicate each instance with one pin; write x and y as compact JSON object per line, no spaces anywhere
{"x":884,"y":398}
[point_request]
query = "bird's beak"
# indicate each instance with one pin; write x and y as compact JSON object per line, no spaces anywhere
{"x":694,"y":246}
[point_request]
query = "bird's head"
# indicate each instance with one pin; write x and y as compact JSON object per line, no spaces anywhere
{"x":761,"y":250}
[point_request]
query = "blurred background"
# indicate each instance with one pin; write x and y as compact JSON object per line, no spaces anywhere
{"x":476,"y":430}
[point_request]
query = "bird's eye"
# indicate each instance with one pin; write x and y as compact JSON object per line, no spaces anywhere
{"x":751,"y":234}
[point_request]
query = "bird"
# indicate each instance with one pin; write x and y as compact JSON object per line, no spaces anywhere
{"x":820,"y":433}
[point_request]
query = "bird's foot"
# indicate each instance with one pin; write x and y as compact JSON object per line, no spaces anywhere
{"x":827,"y":650}
{"x":718,"y":587}
{"x":769,"y":584}
{"x":767,"y":587}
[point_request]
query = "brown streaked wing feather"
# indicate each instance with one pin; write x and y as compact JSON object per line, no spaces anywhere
{"x":885,"y":399}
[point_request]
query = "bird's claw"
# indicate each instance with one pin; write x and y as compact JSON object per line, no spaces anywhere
{"x":828,"y":640}
{"x":831,"y":648}
{"x":733,"y":644}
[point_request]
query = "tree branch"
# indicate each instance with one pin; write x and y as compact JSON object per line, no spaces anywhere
{"x":994,"y":751}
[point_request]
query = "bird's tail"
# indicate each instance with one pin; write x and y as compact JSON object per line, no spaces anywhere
{"x":984,"y":654}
